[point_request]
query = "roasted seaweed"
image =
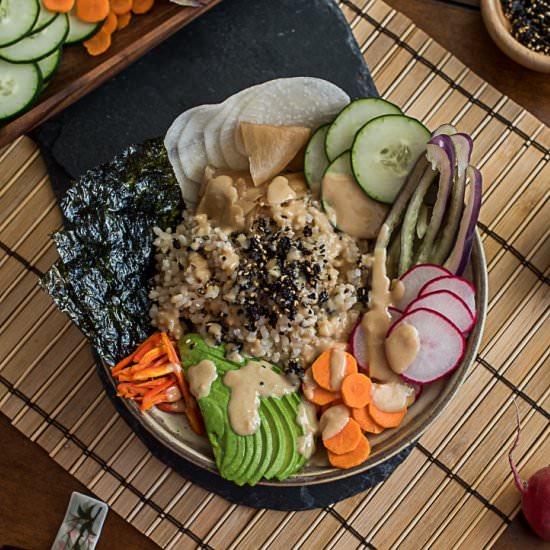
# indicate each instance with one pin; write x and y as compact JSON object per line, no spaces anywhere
{"x":102,"y":278}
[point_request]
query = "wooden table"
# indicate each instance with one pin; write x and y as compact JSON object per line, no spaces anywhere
{"x":35,"y":490}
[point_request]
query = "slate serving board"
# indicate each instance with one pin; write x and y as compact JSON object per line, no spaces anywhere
{"x":237,"y":44}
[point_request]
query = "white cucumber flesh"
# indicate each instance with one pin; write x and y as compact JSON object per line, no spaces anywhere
{"x":384,"y":152}
{"x":80,"y":30}
{"x":19,"y":87}
{"x":38,"y":45}
{"x":45,"y":17}
{"x":48,"y":65}
{"x":315,"y":159}
{"x":349,"y":121}
{"x":17,"y":18}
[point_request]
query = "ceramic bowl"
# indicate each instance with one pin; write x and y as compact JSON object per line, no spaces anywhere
{"x":499,"y":28}
{"x":172,"y":431}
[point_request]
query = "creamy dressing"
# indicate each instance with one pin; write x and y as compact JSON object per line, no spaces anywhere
{"x":307,"y":419}
{"x":201,"y":377}
{"x":337,"y":368}
{"x":247,"y":384}
{"x":377,"y":320}
{"x":402,"y":347}
{"x":349,"y":208}
{"x":333,"y":421}
{"x":309,"y":385}
{"x":392,"y":397}
{"x":279,"y":191}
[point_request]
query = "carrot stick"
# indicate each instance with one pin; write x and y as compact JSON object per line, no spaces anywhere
{"x":61,"y":6}
{"x":172,"y":355}
{"x":352,"y":458}
{"x":110,"y":23}
{"x":92,"y":11}
{"x":192,"y":409}
{"x":345,"y":440}
{"x":123,"y":20}
{"x":121,"y":6}
{"x":386,"y":419}
{"x":142,"y":6}
{"x":322,"y":372}
{"x":356,"y":390}
{"x":363,"y":417}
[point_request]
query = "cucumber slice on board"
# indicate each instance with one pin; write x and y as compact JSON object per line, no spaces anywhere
{"x":315,"y":159}
{"x":80,"y":30}
{"x":17,"y":18}
{"x":348,"y":207}
{"x":48,"y":65}
{"x":45,"y":17}
{"x":384,"y":152}
{"x":38,"y":45}
{"x":342,"y":131}
{"x":20,"y":84}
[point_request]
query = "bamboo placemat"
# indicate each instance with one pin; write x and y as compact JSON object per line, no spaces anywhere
{"x":455,"y":488}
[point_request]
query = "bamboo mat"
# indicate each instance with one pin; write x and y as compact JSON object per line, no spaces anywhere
{"x":455,"y":489}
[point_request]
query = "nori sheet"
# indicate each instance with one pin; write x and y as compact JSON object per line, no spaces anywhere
{"x":102,"y":278}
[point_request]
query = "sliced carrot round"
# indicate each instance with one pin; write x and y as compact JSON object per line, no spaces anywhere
{"x":321,"y":396}
{"x":142,"y":6}
{"x":61,"y":6}
{"x":322,"y":372}
{"x":353,"y":458}
{"x":110,"y":23}
{"x":346,"y":439}
{"x":121,"y":6}
{"x":123,"y":20}
{"x":92,"y":11}
{"x":356,"y":390}
{"x":363,"y":417}
{"x":386,"y":419}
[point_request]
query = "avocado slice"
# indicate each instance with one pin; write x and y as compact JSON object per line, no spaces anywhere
{"x":272,"y":450}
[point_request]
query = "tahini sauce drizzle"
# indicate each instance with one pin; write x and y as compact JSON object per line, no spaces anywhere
{"x":307,"y":419}
{"x":377,"y":320}
{"x":402,"y":347}
{"x":247,"y":384}
{"x":201,"y":377}
{"x":392,"y":397}
{"x":337,"y":368}
{"x":333,"y":421}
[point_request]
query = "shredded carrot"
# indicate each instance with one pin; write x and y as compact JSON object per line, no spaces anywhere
{"x":92,"y":11}
{"x":322,"y":372}
{"x":123,"y":20}
{"x":172,"y":355}
{"x":356,"y":390}
{"x":363,"y":417}
{"x":110,"y":23}
{"x":142,"y":6}
{"x":154,"y":396}
{"x":121,"y":6}
{"x":346,"y":439}
{"x":351,"y":458}
{"x":61,"y":6}
{"x":386,"y":419}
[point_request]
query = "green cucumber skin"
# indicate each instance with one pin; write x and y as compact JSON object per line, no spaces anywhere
{"x":44,"y":25}
{"x":356,"y":156}
{"x":314,"y":186}
{"x":28,"y":32}
{"x":30,"y":103}
{"x":94,"y":29}
{"x":43,"y":55}
{"x":46,"y":79}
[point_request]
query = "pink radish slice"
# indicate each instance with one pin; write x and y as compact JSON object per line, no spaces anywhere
{"x":441,"y":346}
{"x":415,"y":278}
{"x":449,"y":305}
{"x":358,"y":341}
{"x":457,"y":285}
{"x":358,"y":344}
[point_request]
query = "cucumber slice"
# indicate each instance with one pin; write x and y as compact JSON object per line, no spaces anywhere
{"x":48,"y":65}
{"x":19,"y":86}
{"x":39,"y":44}
{"x":384,"y":152}
{"x":348,"y":207}
{"x":315,"y":159}
{"x":45,"y":17}
{"x":17,"y":18}
{"x":80,"y":30}
{"x":342,"y":131}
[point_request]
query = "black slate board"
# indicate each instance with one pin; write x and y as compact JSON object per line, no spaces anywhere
{"x":237,"y":44}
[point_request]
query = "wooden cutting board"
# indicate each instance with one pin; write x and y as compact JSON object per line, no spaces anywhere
{"x":80,"y":73}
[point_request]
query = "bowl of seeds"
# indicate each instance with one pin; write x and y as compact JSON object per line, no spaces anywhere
{"x":521,"y":29}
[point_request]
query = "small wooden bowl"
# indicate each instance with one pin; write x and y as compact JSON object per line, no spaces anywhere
{"x":499,"y":28}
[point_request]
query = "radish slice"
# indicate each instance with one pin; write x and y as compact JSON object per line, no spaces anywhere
{"x":358,"y":345}
{"x":457,"y":285}
{"x":449,"y":305}
{"x":415,"y":278}
{"x":441,"y":346}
